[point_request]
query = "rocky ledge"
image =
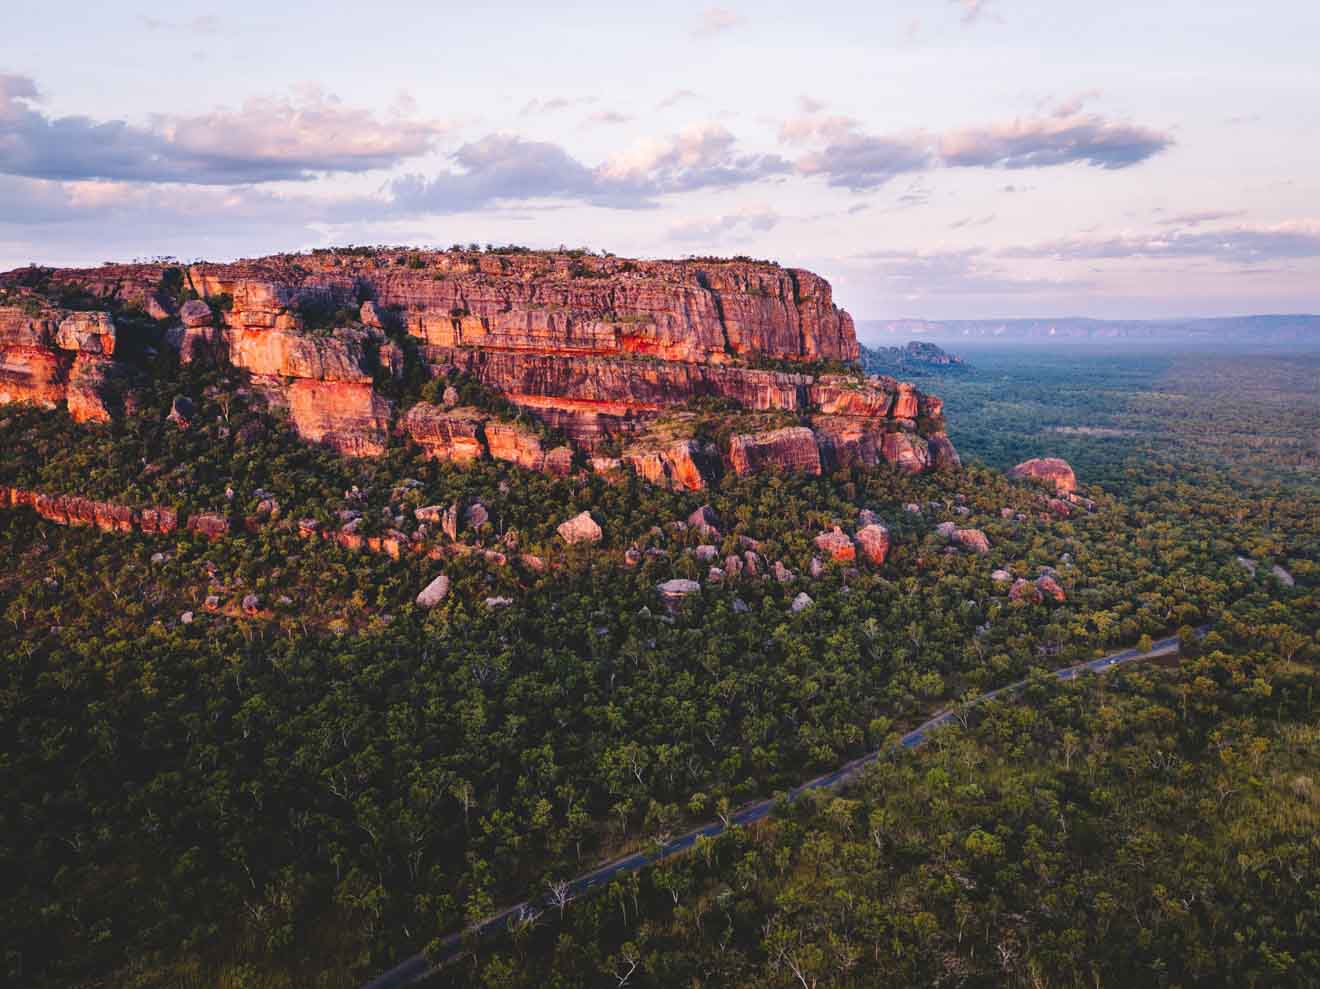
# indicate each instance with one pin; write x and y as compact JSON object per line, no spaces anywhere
{"x":628,"y":360}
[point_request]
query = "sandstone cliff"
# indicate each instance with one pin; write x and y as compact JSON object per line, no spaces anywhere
{"x":601,"y":348}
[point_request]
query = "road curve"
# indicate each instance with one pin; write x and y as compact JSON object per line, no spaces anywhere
{"x":417,"y":967}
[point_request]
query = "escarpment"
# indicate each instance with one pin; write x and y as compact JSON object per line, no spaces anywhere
{"x":632,"y":363}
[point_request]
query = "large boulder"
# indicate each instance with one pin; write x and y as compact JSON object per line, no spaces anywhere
{"x":972,"y":539}
{"x":434,"y":592}
{"x":581,"y":528}
{"x":674,"y":592}
{"x":1049,"y":587}
{"x":1051,"y":469}
{"x":873,"y":541}
{"x":837,"y":545}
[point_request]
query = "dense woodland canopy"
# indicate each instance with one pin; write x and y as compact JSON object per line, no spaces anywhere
{"x":302,"y":796}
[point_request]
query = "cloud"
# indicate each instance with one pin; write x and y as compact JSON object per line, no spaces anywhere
{"x":921,"y":274}
{"x":854,"y":160}
{"x":676,"y":97}
{"x":973,"y":10}
{"x":538,"y":107}
{"x":502,"y":168}
{"x":972,"y":221}
{"x":201,"y":24}
{"x":755,"y":218}
{"x":266,"y":140}
{"x":859,"y":162}
{"x":716,"y":20}
{"x":1065,"y":136}
{"x":1245,"y":244}
{"x":609,"y":117}
{"x":1197,"y":217}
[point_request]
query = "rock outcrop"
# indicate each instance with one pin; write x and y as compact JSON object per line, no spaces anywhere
{"x":1051,"y":469}
{"x":612,"y":352}
{"x":581,"y":528}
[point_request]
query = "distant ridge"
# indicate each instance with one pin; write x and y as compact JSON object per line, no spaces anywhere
{"x":1299,"y":331}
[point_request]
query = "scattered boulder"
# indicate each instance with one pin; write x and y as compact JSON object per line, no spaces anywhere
{"x":498,"y":602}
{"x":752,"y":563}
{"x":674,"y":592}
{"x":837,"y":544}
{"x":946,"y":529}
{"x":212,"y":602}
{"x":816,"y":569}
{"x":733,"y":565}
{"x":740,"y":606}
{"x":1247,"y":564}
{"x":972,"y":539}
{"x":434,"y":592}
{"x":186,"y":618}
{"x":1047,"y":586}
{"x":1024,"y":590}
{"x":867,"y":517}
{"x":1283,"y":576}
{"x":873,"y":540}
{"x":632,"y":556}
{"x":802,"y":602}
{"x":705,"y":521}
{"x":1050,"y":469}
{"x":559,"y":461}
{"x":181,"y":411}
{"x":715,"y":575}
{"x":706,"y":553}
{"x":251,"y":604}
{"x":912,"y":507}
{"x":532,"y":563}
{"x":476,"y":515}
{"x":1001,"y":576}
{"x":581,"y":528}
{"x":450,"y":398}
{"x":782,"y":573}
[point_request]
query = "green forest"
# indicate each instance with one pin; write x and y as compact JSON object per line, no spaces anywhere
{"x":305,"y":792}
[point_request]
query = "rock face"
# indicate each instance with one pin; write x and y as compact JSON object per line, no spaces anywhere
{"x":1051,"y":469}
{"x":608,"y":350}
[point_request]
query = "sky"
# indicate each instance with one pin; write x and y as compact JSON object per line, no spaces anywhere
{"x":934,"y":159}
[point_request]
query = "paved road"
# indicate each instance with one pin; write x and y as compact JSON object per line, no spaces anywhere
{"x":419,"y":966}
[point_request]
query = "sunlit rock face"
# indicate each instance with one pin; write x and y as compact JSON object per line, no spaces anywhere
{"x":618,"y":355}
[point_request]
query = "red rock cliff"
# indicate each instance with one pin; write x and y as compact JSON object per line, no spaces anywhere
{"x":601,"y":347}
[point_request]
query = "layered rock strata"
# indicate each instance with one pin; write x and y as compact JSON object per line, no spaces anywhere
{"x":602,"y":348}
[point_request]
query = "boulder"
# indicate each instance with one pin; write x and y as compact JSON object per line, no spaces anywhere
{"x":1050,"y":469}
{"x":434,"y":592}
{"x":1049,"y":587}
{"x":837,"y":544}
{"x":972,"y":539}
{"x":946,"y":530}
{"x":1001,"y":576}
{"x":674,"y":592}
{"x":251,"y":604}
{"x":873,"y":541}
{"x":816,"y":568}
{"x":581,"y":528}
{"x":802,"y":602}
{"x":706,"y":553}
{"x":782,"y":573}
{"x":498,"y":602}
{"x":1024,"y":590}
{"x":181,"y":411}
{"x":705,"y":520}
{"x":475,"y":515}
{"x":1283,"y":576}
